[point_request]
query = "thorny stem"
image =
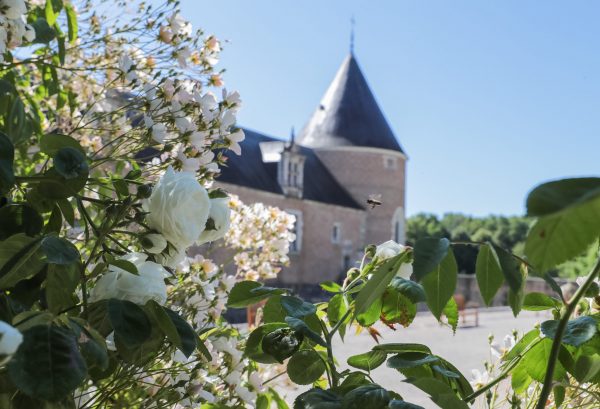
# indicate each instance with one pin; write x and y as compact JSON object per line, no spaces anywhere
{"x":560,"y":331}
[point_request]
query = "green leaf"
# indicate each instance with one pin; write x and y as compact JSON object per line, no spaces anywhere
{"x":510,"y":269}
{"x":336,"y":308}
{"x":59,"y":250}
{"x":331,"y":287}
{"x":410,"y":289}
{"x":586,"y":367}
{"x":400,"y":404}
{"x":253,"y":349}
{"x":49,"y":12}
{"x":129,"y":321}
{"x":522,"y":344}
{"x":440,"y":284}
{"x":553,"y":284}
{"x":19,"y":218}
{"x":61,"y":283}
{"x":560,"y":236}
{"x":187,"y":335}
{"x":401,"y":348}
{"x":296,"y":307}
{"x":445,"y":372}
{"x":376,"y":285}
{"x":125,"y":265}
{"x":370,"y":396}
{"x":48,"y":364}
{"x":540,"y":302}
{"x":7,"y":156}
{"x":71,"y":23}
{"x":371,"y":315}
{"x":368,"y":361}
{"x":247,"y":293}
{"x":91,"y":344}
{"x":535,"y":361}
{"x":555,"y":196}
{"x":305,"y":367}
{"x":520,"y":379}
{"x":428,"y":254}
{"x":50,"y":144}
{"x":273,"y":311}
{"x":451,"y":313}
{"x":67,"y":211}
{"x":317,"y":399}
{"x":578,"y":331}
{"x":55,"y":186}
{"x":20,"y":259}
{"x":488,"y":272}
{"x":161,"y":319}
{"x":43,"y":32}
{"x":397,"y":309}
{"x":70,"y":163}
{"x":410,"y":360}
{"x":440,"y":393}
{"x":301,"y":327}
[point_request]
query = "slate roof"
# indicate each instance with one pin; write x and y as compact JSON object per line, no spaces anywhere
{"x":348,"y":115}
{"x":250,"y":171}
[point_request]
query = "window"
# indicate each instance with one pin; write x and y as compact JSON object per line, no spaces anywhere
{"x":296,"y":245}
{"x":390,"y":163}
{"x":398,"y":226}
{"x":336,"y":233}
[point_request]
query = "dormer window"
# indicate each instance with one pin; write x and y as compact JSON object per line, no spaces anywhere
{"x":291,"y":171}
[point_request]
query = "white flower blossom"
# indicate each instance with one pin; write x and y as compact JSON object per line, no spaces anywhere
{"x":10,"y":340}
{"x":117,"y":283}
{"x":220,"y":216}
{"x":178,"y":208}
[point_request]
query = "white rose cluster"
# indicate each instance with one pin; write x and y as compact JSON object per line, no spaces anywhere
{"x":391,"y":249}
{"x":117,"y":283}
{"x":14,"y":30}
{"x":261,"y":236}
{"x":181,"y":210}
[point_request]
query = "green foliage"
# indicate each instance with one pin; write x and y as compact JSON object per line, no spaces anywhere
{"x":368,"y":361}
{"x":305,"y":367}
{"x":281,"y":343}
{"x":48,"y":365}
{"x":7,"y":156}
{"x":577,"y":332}
{"x":440,"y":283}
{"x":428,"y":254}
{"x":489,"y":273}
{"x":245,"y":293}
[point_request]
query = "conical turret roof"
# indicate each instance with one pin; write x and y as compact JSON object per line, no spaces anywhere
{"x":348,"y":115}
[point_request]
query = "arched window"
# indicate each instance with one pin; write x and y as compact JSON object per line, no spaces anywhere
{"x":399,"y":226}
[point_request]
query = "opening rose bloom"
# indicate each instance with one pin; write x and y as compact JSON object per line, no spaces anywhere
{"x":117,"y":283}
{"x":391,"y":249}
{"x":178,"y":208}
{"x":220,"y":215}
{"x":10,"y":339}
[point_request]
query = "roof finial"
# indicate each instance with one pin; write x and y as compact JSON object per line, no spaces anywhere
{"x":293,"y":136}
{"x":352,"y":23}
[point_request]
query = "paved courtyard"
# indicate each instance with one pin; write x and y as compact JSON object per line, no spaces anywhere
{"x":467,"y":349}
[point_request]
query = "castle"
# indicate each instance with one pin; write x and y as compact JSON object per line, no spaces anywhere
{"x":343,"y":177}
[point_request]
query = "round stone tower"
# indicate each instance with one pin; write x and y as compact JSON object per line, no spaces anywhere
{"x":352,"y":138}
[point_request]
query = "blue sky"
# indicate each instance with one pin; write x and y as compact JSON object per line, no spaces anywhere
{"x":487,"y":98}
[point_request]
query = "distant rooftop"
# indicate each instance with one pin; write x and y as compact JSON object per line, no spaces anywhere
{"x":348,"y":115}
{"x":256,"y":168}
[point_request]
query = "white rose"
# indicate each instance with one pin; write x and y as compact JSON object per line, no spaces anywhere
{"x":117,"y":283}
{"x":154,"y":243}
{"x":405,"y":271}
{"x":13,"y":9}
{"x":388,"y":249}
{"x":178,"y":208}
{"x":219,"y":214}
{"x":10,"y":339}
